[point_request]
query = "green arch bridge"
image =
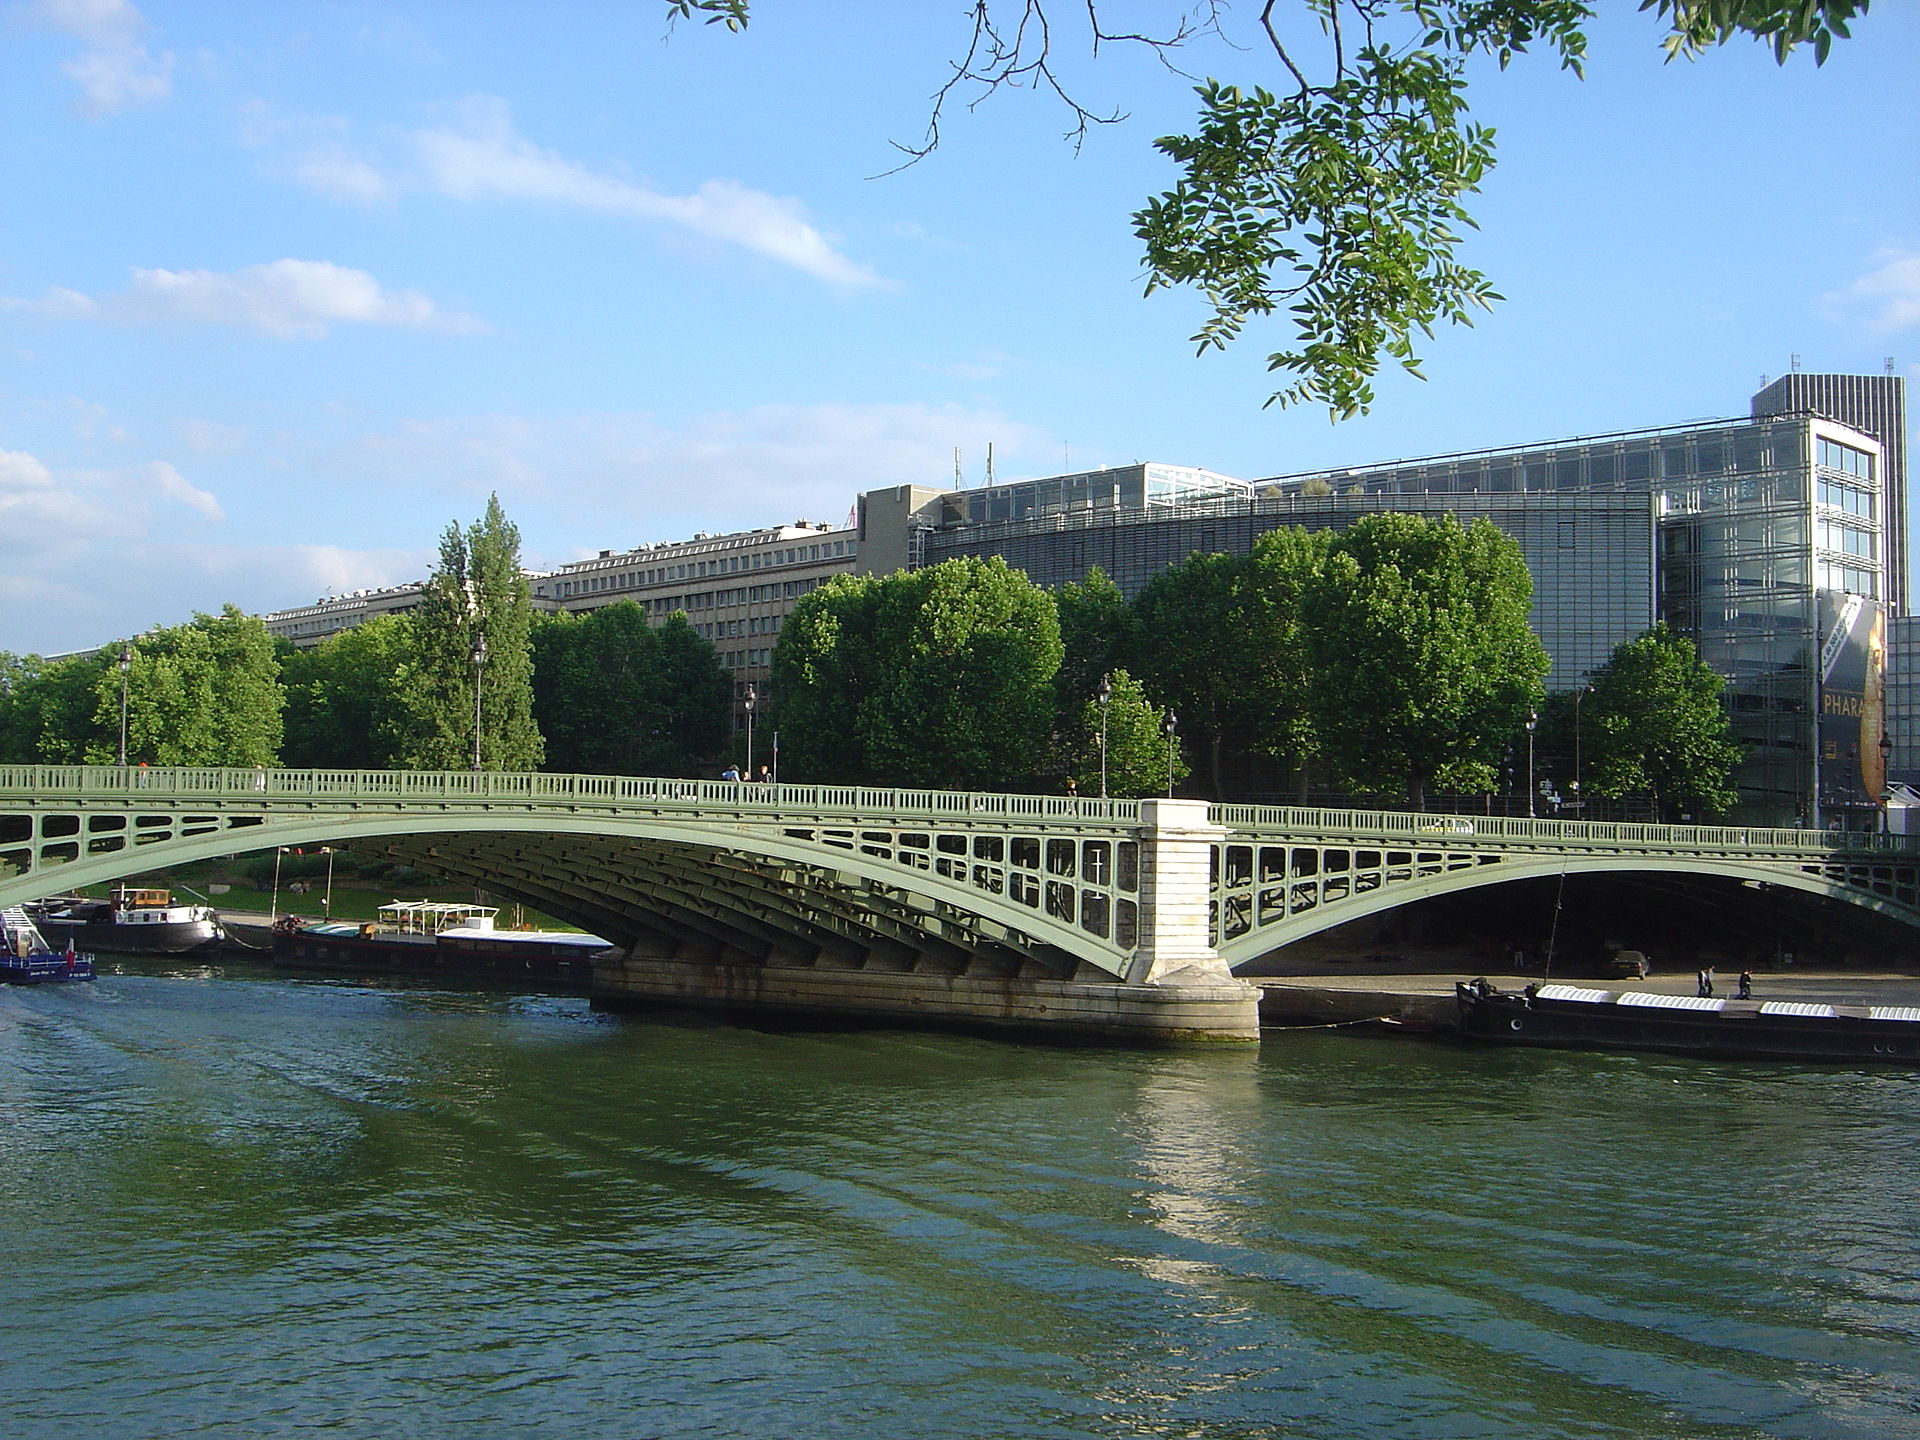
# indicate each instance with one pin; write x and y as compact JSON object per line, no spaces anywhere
{"x":1116,"y":917}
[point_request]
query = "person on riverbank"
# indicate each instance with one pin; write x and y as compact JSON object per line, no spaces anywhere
{"x":1745,"y":989}
{"x":1706,"y":981}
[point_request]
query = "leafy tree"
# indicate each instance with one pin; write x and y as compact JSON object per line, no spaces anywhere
{"x":476,"y":592}
{"x":204,"y":693}
{"x":1188,"y":647}
{"x":935,"y":677}
{"x":1282,"y":564}
{"x":348,"y":704}
{"x":594,"y":688}
{"x":47,"y":707}
{"x":1422,"y":659}
{"x":694,"y":697}
{"x":822,"y":678}
{"x":1654,"y":723}
{"x":968,"y":650}
{"x":1136,"y":744}
{"x":1332,"y":187}
{"x":1093,"y":634}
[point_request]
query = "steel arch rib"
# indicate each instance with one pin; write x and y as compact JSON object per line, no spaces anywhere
{"x":294,"y":823}
{"x":1788,"y":874}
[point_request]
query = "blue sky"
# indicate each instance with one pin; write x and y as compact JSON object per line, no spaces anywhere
{"x":285,"y":288}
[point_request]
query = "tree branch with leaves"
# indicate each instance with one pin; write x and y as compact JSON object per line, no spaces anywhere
{"x":1331,"y":191}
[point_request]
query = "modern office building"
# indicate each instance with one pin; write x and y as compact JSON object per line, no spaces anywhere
{"x":1903,"y":698}
{"x":1875,"y":405}
{"x":1765,"y":539}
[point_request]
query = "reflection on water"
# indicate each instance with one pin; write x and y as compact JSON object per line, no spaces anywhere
{"x":244,"y":1205}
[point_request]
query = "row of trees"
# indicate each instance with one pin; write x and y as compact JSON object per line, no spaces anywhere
{"x":953,"y":677}
{"x":205,"y":693}
{"x":604,"y":692}
{"x":1393,"y":657}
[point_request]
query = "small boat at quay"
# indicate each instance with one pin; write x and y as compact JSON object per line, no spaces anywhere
{"x":438,"y":938}
{"x":1576,"y":1017}
{"x":130,"y":921}
{"x":27,"y":959}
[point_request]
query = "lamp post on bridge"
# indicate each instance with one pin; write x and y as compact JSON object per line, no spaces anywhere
{"x":1886,"y":790}
{"x":126,"y":664}
{"x":1169,"y":727}
{"x":748,"y":704}
{"x":1104,"y":695}
{"x":1578,"y":696}
{"x":479,"y":658}
{"x":1533,"y":723}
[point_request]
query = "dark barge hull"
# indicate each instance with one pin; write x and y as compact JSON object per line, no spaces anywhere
{"x":1732,"y":1029}
{"x":418,"y":955}
{"x":158,"y":939}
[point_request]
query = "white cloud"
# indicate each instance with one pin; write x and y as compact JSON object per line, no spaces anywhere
{"x":630,"y":478}
{"x":483,"y":157}
{"x":20,"y":471}
{"x":1888,"y":296}
{"x":287,"y":299}
{"x":479,"y":156}
{"x":115,"y":70}
{"x":99,"y":553}
{"x":209,"y":437}
{"x":338,"y":175}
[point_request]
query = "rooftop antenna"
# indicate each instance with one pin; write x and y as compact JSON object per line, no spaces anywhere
{"x":1891,"y":368}
{"x":989,"y":462}
{"x":956,"y":468}
{"x":1066,"y":458}
{"x":1796,"y":364}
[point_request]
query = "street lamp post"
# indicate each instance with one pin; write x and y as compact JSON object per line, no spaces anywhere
{"x":748,"y":704}
{"x":1533,"y":723}
{"x":1578,"y":696}
{"x":1105,"y":697}
{"x":1169,"y":727}
{"x":1886,"y":792}
{"x":479,"y":658}
{"x":126,"y":664}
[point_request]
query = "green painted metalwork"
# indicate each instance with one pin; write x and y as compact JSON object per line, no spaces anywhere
{"x":1015,"y":880}
{"x":1282,"y":874}
{"x":1044,"y":881}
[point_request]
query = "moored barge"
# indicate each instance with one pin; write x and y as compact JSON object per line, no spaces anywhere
{"x":438,"y":938}
{"x":27,"y":959}
{"x":1576,"y":1017}
{"x":130,"y":921}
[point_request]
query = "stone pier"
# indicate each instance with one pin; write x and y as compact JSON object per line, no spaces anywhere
{"x":1177,"y":990}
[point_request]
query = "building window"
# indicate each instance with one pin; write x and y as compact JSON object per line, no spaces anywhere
{"x":1832,"y":455}
{"x":1837,"y":496}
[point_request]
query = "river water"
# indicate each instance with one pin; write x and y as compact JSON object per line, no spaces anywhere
{"x":246,"y":1205}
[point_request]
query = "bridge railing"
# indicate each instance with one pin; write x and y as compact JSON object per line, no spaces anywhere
{"x":487,"y":787}
{"x":189,"y":783}
{"x":1394,"y":824}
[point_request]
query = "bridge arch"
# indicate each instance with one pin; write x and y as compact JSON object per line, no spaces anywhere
{"x":1881,"y":885}
{"x":763,"y":885}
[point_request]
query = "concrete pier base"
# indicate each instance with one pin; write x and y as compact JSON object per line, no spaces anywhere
{"x":1058,"y":1009}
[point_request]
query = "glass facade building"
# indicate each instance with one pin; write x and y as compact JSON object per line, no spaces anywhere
{"x":1763,"y":539}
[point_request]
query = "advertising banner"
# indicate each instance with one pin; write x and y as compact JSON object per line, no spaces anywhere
{"x":1853,"y":674}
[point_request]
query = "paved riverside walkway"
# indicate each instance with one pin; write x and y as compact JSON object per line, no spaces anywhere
{"x":1425,"y":998}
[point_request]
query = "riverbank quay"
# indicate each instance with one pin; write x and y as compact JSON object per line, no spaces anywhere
{"x":1424,"y":1001}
